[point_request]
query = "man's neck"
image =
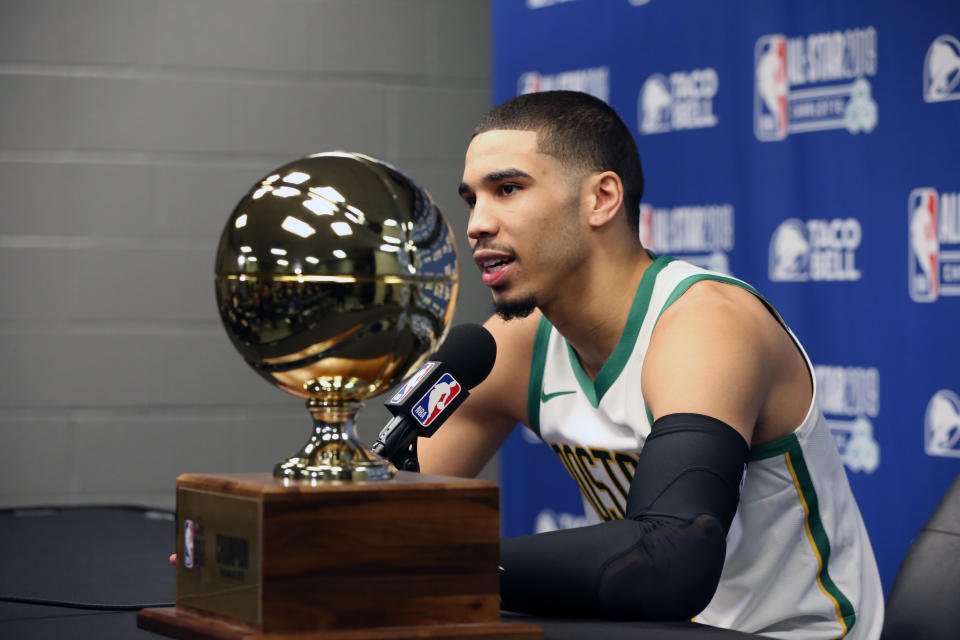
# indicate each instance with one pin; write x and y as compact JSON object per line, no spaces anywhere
{"x":592,"y":313}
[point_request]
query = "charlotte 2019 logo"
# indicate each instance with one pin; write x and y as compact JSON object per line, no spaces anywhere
{"x":934,"y":244}
{"x":850,"y":398}
{"x":798,"y":88}
{"x":818,"y":250}
{"x":701,"y":234}
{"x":941,"y":70}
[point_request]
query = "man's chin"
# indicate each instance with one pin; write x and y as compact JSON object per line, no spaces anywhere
{"x":515,"y":308}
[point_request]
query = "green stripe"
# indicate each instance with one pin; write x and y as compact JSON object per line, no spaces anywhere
{"x":536,"y":374}
{"x":687,"y":282}
{"x":773,"y":448}
{"x":790,"y":444}
{"x":594,"y":389}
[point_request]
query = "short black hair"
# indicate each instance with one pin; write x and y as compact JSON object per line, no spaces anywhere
{"x":581,"y":131}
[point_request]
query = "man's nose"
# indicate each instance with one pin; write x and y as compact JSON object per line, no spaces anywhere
{"x":482,"y":222}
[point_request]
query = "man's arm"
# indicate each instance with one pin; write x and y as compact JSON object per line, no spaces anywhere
{"x":471,"y":436}
{"x":713,"y":359}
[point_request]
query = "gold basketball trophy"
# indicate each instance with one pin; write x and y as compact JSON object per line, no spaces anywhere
{"x":336,"y":276}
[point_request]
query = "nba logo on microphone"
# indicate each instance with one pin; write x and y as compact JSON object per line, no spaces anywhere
{"x":436,"y":400}
{"x":188,"y":544}
{"x":942,"y":425}
{"x":412,"y":382}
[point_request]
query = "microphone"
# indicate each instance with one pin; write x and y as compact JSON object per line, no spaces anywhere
{"x":430,"y":395}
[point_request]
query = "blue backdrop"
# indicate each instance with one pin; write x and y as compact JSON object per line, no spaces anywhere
{"x":810,"y":148}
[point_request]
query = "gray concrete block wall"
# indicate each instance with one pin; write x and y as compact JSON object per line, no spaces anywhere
{"x":128,"y":131}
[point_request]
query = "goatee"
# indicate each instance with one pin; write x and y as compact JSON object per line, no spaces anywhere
{"x":510,"y":309}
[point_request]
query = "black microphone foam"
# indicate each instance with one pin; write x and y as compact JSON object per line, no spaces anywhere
{"x":434,"y":392}
{"x":468,"y":352}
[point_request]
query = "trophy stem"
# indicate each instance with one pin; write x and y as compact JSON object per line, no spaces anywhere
{"x":333,"y":451}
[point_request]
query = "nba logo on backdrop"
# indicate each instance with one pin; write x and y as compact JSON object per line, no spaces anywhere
{"x":933,"y":244}
{"x":941,"y":425}
{"x":799,"y":83}
{"x":941,"y":70}
{"x":770,"y":95}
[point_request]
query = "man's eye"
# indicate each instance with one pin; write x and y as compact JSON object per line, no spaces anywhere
{"x":507,"y":189}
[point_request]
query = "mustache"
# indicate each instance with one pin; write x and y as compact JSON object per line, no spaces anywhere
{"x":490,"y":245}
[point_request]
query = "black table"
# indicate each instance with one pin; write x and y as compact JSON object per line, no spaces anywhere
{"x":118,"y":555}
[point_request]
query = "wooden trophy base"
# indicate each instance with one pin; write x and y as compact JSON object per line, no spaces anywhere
{"x":265,"y":557}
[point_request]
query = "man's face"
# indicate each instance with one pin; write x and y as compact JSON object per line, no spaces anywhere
{"x":524,"y":225}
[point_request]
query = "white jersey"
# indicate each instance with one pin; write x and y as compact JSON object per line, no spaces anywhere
{"x":799,"y":562}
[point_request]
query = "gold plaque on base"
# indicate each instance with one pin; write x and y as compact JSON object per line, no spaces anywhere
{"x":412,"y":557}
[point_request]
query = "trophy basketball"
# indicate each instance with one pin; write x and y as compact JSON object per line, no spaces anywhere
{"x":336,"y":276}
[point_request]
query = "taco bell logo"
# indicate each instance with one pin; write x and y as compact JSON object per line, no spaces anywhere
{"x":934,"y":244}
{"x":682,"y":101}
{"x":818,"y":250}
{"x":942,"y":425}
{"x":814,"y":83}
{"x":941,"y":70}
{"x":595,"y":81}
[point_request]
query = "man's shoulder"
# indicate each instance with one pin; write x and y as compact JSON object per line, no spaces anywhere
{"x":719,"y":304}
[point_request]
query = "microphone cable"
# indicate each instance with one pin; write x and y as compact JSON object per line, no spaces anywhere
{"x":93,"y":606}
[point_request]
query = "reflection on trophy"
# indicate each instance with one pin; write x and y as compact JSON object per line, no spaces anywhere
{"x":336,"y":276}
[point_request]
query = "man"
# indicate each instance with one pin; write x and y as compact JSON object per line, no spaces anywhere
{"x":739,"y":511}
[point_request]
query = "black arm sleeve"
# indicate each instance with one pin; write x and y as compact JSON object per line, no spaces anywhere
{"x":663,"y":561}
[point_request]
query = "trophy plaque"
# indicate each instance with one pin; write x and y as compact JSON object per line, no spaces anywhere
{"x":336,"y":276}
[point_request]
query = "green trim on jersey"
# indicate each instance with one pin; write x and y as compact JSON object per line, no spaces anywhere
{"x":537,"y":363}
{"x":789,"y":447}
{"x":686,"y":283}
{"x":773,"y":448}
{"x":611,"y":369}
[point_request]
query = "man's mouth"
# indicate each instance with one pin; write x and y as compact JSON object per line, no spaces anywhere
{"x":494,"y":266}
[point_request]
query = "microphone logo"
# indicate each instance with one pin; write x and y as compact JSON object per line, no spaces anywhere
{"x":433,"y":402}
{"x":412,"y":382}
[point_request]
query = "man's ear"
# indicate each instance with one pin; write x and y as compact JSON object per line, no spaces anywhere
{"x":606,"y":197}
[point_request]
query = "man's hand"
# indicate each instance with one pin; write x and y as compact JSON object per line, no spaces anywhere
{"x":173,"y":558}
